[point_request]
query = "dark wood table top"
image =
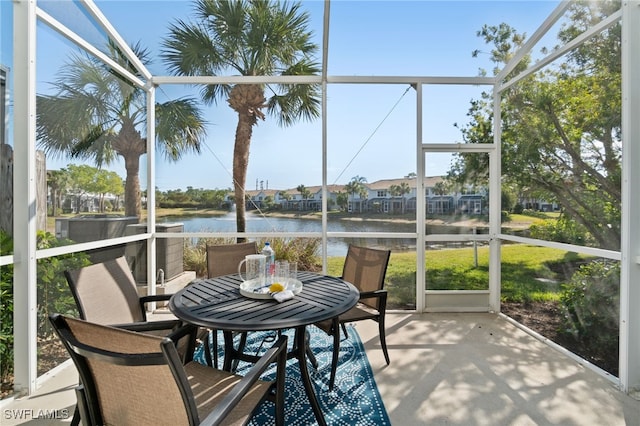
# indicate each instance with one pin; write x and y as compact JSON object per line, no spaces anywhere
{"x":217,"y":303}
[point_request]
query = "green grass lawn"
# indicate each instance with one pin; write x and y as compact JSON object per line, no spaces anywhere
{"x":529,"y":273}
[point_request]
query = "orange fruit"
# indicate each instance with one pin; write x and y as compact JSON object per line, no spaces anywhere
{"x":276,"y":287}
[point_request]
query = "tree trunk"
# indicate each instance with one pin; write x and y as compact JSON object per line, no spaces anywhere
{"x":54,"y":202}
{"x":244,"y":131}
{"x":247,"y":100}
{"x":130,"y":145}
{"x":132,"y":205}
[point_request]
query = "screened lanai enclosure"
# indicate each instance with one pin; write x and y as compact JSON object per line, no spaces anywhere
{"x":496,"y":157}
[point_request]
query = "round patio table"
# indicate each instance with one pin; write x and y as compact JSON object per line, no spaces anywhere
{"x":216,"y":303}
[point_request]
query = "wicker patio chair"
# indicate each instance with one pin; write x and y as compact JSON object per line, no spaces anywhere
{"x":223,"y":259}
{"x":130,"y":378}
{"x":365,"y":268}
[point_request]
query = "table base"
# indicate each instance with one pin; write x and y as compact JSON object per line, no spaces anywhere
{"x":300,"y":351}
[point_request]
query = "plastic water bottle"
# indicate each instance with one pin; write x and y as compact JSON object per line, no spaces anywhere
{"x":271,"y":262}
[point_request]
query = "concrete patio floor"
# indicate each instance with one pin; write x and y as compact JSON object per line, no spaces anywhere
{"x":446,"y":369}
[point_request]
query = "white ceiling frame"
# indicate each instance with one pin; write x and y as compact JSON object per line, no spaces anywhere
{"x":318,"y":79}
{"x":83,"y":44}
{"x":603,"y":25}
{"x":629,"y":373}
{"x":93,"y":10}
{"x":535,"y":38}
{"x":458,"y":147}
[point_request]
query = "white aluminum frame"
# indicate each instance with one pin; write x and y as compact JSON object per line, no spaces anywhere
{"x":24,"y":212}
{"x":24,"y":257}
{"x":629,"y":369}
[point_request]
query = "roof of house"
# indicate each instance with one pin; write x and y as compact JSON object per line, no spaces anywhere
{"x":254,"y":192}
{"x":430,"y":181}
{"x":382,"y":184}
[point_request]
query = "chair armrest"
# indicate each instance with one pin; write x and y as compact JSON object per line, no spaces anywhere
{"x":184,"y":339}
{"x":168,"y":325}
{"x":185,"y":330}
{"x":276,"y":353}
{"x":371,"y":294}
{"x":381,"y":295}
{"x":155,"y":298}
{"x":143,"y":300}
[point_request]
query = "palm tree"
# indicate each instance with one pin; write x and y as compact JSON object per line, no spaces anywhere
{"x":305,"y":194}
{"x":394,"y":190}
{"x":357,"y":186}
{"x":58,"y":182}
{"x":342,"y":200}
{"x":97,"y":115}
{"x":440,"y":188}
{"x":403,"y":189}
{"x":250,"y":38}
{"x":283,"y":195}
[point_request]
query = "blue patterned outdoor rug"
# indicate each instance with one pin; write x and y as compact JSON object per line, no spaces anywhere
{"x":354,"y":400}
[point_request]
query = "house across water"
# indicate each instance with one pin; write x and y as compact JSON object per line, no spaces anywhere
{"x":391,"y":196}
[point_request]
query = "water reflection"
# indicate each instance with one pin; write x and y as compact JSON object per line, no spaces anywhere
{"x":335,"y":246}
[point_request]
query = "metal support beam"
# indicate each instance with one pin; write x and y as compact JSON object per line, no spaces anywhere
{"x":495,"y":207}
{"x":421,"y":297}
{"x":152,"y":274}
{"x":630,"y":245}
{"x":325,"y":194}
{"x":24,"y":203}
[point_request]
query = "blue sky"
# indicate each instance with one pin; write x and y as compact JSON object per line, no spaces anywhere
{"x":376,"y":122}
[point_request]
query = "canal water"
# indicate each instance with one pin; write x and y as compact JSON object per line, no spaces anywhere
{"x":336,"y":246}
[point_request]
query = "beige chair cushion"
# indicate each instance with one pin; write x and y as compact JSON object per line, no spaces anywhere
{"x":106,"y":292}
{"x":209,"y":386}
{"x":150,"y":395}
{"x":223,"y":259}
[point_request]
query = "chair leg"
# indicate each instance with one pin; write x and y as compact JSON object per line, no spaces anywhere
{"x":344,"y":329}
{"x":383,"y":339}
{"x":211,"y":349}
{"x":214,"y":348}
{"x":207,"y":350}
{"x":241,"y":345}
{"x":336,"y":352}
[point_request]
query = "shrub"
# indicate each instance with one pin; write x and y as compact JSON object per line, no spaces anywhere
{"x":533,"y":213}
{"x":6,"y":311}
{"x":590,"y":304}
{"x":561,"y":230}
{"x":195,"y":253}
{"x":53,"y":293}
{"x":304,"y":251}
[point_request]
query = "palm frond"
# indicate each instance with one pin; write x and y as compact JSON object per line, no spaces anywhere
{"x":179,"y":128}
{"x":190,"y":50}
{"x":211,"y":93}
